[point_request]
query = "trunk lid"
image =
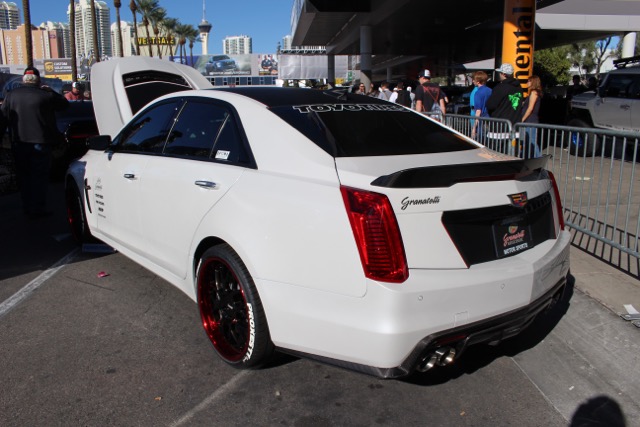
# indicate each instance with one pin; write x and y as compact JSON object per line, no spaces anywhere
{"x":455,"y":215}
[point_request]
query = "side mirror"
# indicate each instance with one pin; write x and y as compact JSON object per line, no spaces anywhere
{"x":99,"y":142}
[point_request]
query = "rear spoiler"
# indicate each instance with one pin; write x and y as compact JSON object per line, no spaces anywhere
{"x":448,"y":175}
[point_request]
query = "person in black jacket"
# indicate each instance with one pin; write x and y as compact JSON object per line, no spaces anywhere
{"x":29,"y":112}
{"x":507,"y":96}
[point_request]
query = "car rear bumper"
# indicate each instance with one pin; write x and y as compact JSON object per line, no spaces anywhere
{"x":393,"y":327}
{"x":492,"y":330}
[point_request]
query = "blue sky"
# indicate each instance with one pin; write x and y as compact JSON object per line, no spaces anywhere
{"x":265,"y":21}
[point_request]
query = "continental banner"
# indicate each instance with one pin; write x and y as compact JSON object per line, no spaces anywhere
{"x":518,"y":38}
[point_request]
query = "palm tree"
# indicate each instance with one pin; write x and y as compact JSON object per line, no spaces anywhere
{"x":146,"y":8}
{"x":181,"y":35}
{"x":94,"y":25}
{"x":192,"y":35}
{"x":27,"y":32}
{"x":72,"y":40}
{"x":169,"y":26}
{"x":118,"y":4}
{"x":134,"y":9}
{"x":157,"y":16}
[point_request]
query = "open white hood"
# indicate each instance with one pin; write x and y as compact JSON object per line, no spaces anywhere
{"x":122,"y":86}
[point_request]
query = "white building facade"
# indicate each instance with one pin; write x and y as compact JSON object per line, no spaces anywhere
{"x":237,"y":45}
{"x":9,"y":16}
{"x":84,"y":29}
{"x":128,"y":39}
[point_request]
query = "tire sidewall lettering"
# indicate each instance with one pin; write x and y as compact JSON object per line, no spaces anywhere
{"x":252,"y":333}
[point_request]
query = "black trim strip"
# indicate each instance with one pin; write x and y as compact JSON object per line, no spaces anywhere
{"x":448,"y":175}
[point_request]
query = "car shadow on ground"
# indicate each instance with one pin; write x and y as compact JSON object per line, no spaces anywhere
{"x":477,"y":357}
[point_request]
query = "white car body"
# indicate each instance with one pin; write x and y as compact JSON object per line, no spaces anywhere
{"x":286,"y":219}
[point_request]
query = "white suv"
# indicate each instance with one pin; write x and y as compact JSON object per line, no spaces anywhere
{"x":615,"y":105}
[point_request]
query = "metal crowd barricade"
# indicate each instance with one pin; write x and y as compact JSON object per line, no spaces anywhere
{"x":496,"y":134}
{"x":596,"y":174}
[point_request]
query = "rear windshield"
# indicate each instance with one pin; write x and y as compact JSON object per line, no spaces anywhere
{"x":355,"y":130}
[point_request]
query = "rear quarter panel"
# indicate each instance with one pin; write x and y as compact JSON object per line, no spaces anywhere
{"x":287,"y":219}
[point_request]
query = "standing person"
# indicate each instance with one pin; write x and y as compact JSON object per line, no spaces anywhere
{"x":473,"y":93}
{"x":413,"y":98}
{"x":361,"y":89}
{"x":373,"y":91}
{"x":506,"y":98}
{"x":29,"y":111}
{"x":385,"y":93}
{"x":401,"y":96}
{"x":531,"y":108}
{"x":480,"y":98}
{"x":576,"y":88}
{"x":429,"y":96}
{"x":77,"y":92}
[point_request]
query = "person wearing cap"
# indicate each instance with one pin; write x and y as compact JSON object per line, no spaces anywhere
{"x":77,"y":92}
{"x":506,"y":97}
{"x":29,"y":113}
{"x":429,"y":96}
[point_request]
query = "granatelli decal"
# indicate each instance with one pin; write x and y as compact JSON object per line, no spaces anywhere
{"x":406,"y":202}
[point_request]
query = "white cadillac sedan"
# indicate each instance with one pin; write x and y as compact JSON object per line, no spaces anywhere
{"x":317,"y":223}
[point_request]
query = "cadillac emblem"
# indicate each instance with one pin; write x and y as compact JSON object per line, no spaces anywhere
{"x":519,"y":200}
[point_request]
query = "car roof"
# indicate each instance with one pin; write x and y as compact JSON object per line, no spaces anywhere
{"x":626,"y":70}
{"x":278,"y":96}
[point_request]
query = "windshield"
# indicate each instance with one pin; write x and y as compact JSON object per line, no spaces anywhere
{"x":355,"y":130}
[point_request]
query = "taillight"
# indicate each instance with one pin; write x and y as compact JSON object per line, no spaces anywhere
{"x":377,"y":235}
{"x":556,"y":195}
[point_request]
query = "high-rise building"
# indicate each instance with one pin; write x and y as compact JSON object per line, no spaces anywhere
{"x":9,"y":15}
{"x":84,"y":29}
{"x":236,"y":45}
{"x":58,"y":39}
{"x":128,"y":39}
{"x":286,"y":42}
{"x":13,"y":47}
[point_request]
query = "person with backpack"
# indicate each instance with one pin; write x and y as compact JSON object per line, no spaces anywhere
{"x":429,"y":96}
{"x":401,"y":96}
{"x":506,"y":97}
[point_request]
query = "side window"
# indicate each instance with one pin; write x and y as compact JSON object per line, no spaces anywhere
{"x":618,"y":85}
{"x":229,"y":147}
{"x":195,"y":130}
{"x":634,"y":91}
{"x":148,"y":132}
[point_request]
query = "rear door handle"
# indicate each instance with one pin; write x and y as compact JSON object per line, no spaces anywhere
{"x":130,"y":175}
{"x":207,"y":184}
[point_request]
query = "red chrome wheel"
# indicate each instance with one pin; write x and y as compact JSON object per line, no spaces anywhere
{"x":231,"y":312}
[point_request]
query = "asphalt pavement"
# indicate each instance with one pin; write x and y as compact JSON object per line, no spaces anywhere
{"x":588,"y":364}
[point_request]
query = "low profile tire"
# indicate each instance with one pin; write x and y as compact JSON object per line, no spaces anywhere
{"x":231,"y":311}
{"x":580,"y":143}
{"x":76,"y":215}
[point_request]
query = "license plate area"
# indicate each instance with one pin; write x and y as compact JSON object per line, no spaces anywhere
{"x":512,"y":236}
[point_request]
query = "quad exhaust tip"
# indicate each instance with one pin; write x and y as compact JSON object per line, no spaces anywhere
{"x":441,"y":357}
